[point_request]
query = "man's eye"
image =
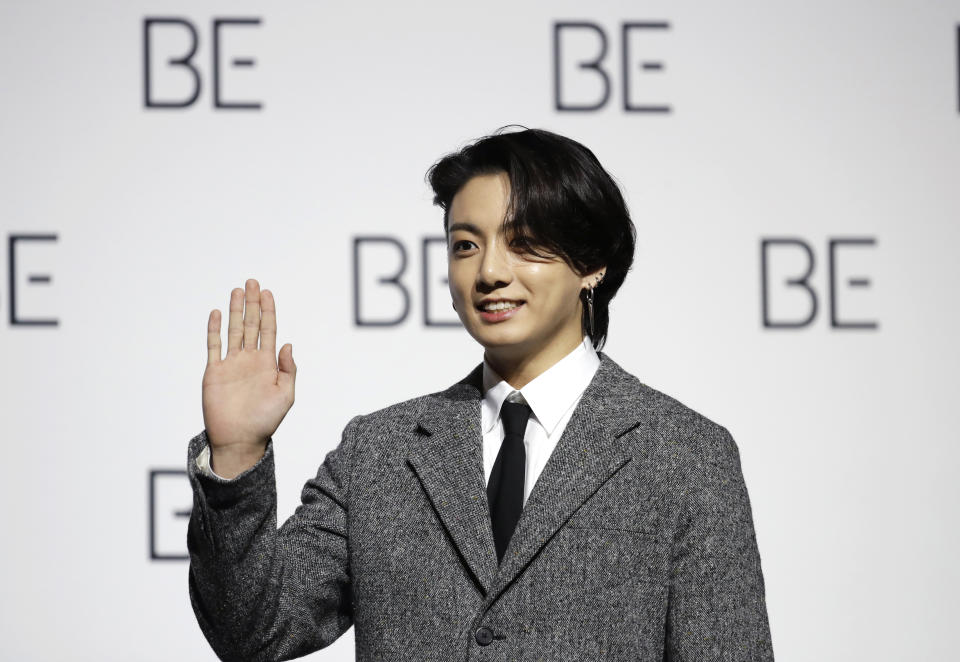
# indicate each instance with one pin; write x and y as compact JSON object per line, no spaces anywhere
{"x":462,"y":242}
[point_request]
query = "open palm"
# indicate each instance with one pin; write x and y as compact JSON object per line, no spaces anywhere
{"x":247,"y":393}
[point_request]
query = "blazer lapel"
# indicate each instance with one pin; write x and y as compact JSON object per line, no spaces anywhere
{"x":450,"y":466}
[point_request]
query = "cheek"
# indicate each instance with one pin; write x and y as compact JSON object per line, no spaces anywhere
{"x":460,"y":287}
{"x":549,"y":287}
{"x":454,"y":282}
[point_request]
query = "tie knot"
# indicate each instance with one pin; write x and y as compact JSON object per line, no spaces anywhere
{"x":514,"y":416}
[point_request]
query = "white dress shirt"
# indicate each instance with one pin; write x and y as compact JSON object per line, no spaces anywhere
{"x":552,"y":396}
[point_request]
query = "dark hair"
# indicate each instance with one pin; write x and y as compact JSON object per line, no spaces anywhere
{"x":562,"y":203}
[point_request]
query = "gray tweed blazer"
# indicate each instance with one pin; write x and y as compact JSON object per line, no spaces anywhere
{"x":637,"y":542}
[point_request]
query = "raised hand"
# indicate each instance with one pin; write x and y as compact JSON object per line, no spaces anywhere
{"x":246,"y":394}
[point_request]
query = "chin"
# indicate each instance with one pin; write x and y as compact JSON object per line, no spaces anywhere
{"x":497,"y":338}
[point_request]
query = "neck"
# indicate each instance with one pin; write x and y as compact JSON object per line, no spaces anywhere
{"x":519,"y":369}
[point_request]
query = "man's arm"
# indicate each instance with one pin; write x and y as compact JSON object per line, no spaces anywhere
{"x":717,"y":607}
{"x":260,"y":593}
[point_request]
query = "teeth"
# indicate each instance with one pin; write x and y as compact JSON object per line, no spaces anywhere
{"x":501,"y":305}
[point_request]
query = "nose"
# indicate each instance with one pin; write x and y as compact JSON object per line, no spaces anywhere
{"x":496,"y":268}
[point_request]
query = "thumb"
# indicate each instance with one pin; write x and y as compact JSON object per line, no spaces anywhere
{"x":288,"y":369}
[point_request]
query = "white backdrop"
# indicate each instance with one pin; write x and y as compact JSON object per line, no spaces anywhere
{"x":813,"y":121}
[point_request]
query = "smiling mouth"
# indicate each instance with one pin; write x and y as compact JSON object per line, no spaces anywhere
{"x":499,"y":306}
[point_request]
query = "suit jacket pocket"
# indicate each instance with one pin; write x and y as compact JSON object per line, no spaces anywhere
{"x":606,"y":567}
{"x":621,"y":540}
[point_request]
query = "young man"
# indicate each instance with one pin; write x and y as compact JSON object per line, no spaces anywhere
{"x":548,"y":506}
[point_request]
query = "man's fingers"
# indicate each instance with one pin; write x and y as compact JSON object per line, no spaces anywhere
{"x":268,"y":323}
{"x":235,"y":322}
{"x":251,"y":315}
{"x":287,"y":375}
{"x":213,"y":337}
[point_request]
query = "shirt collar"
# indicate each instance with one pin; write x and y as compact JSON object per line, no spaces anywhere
{"x":550,"y":394}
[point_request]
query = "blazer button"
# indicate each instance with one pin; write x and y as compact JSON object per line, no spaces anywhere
{"x":484,"y":635}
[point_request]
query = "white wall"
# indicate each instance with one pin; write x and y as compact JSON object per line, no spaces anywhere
{"x":812,"y":120}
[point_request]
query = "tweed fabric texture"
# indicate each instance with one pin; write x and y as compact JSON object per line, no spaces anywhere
{"x":636,"y":543}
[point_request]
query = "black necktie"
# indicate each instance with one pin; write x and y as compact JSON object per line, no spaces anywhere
{"x":505,"y":489}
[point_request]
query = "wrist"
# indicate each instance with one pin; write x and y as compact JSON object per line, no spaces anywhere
{"x":231,"y":461}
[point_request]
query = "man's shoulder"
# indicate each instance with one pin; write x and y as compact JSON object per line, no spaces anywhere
{"x":406,"y":411}
{"x":405,"y":415}
{"x":674,"y":416}
{"x":677,"y":425}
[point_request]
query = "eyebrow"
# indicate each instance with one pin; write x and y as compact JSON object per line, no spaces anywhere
{"x":461,"y":225}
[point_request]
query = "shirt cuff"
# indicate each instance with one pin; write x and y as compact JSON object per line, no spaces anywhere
{"x":203,"y":464}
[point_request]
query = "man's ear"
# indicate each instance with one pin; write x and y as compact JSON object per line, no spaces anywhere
{"x":593,"y":278}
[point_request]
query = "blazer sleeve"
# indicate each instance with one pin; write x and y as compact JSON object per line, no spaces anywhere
{"x":717,"y":604}
{"x":260,"y":593}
